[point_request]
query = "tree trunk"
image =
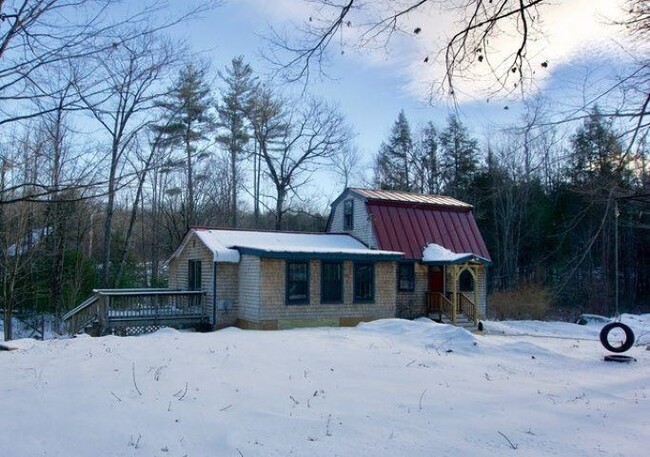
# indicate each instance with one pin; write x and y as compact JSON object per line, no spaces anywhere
{"x":279,"y":207}
{"x":108,"y":226}
{"x":233,"y":171}
{"x":189,"y":204}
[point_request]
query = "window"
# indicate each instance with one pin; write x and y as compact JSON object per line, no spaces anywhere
{"x":364,"y":282}
{"x":348,"y":215}
{"x":405,"y":277}
{"x":331,"y":282}
{"x":297,"y":283}
{"x":466,"y":281}
{"x":194,"y":274}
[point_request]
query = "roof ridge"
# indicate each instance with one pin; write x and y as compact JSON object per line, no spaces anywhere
{"x":396,"y":191}
{"x":401,"y":196}
{"x":239,"y":229}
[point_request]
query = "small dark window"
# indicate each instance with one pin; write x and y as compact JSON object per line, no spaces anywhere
{"x":297,"y":283}
{"x":364,"y":282}
{"x":466,"y":282}
{"x":194,"y":274}
{"x":331,"y":282}
{"x":406,"y":277}
{"x":348,"y":215}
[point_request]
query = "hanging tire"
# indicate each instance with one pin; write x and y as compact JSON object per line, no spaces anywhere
{"x":629,"y":337}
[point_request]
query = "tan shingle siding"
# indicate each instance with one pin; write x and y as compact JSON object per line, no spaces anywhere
{"x":362,"y":229}
{"x":249,"y":288}
{"x":415,"y":301}
{"x":178,"y":270}
{"x":273,"y":295}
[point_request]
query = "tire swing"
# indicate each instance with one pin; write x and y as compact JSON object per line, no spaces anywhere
{"x":624,"y":346}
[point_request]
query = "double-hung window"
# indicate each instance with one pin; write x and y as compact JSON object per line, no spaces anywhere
{"x":194,"y":280}
{"x":405,"y":277}
{"x":348,"y":215}
{"x":297,"y":283}
{"x":331,"y":282}
{"x":194,"y":274}
{"x":364,"y":282}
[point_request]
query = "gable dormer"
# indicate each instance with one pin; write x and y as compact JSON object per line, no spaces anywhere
{"x":407,"y":222}
{"x":349,"y":214}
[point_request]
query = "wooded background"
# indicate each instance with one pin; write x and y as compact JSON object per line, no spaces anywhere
{"x":113,"y":143}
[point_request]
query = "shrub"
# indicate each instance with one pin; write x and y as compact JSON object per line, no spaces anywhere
{"x":530,"y":301}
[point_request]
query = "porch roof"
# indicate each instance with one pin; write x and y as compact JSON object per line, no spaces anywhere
{"x":439,"y":255}
{"x":227,"y":245}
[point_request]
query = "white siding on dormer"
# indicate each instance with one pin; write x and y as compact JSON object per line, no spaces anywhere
{"x":362,"y":221}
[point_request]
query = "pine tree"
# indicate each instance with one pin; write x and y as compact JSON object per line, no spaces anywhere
{"x":597,"y":158}
{"x":426,"y":176}
{"x":459,"y":159}
{"x":234,"y":130}
{"x":393,"y":161}
{"x":188,"y":123}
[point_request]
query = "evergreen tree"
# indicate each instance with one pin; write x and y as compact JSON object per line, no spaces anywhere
{"x":187,"y":124}
{"x":234,"y":130}
{"x":425,"y":161}
{"x":597,"y":172}
{"x":392,"y":165}
{"x":459,"y":159}
{"x":597,"y":159}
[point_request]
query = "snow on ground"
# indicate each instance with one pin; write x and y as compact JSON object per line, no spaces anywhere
{"x":640,"y":325}
{"x":386,"y":388}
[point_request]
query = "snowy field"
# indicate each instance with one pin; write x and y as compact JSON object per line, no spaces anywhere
{"x":388,"y":388}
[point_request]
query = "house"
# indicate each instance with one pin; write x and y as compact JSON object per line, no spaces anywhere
{"x":384,"y":254}
{"x":275,"y":280}
{"x":443,"y":271}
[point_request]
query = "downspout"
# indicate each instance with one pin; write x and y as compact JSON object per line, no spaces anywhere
{"x":485,"y":289}
{"x":214,"y":294}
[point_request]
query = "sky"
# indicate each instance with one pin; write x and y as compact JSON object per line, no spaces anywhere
{"x":371,"y":86}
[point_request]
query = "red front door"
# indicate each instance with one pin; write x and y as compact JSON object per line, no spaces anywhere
{"x":436,"y":279}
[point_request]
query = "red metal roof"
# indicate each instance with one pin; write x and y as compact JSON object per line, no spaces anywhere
{"x":410,"y":227}
{"x":408,"y":197}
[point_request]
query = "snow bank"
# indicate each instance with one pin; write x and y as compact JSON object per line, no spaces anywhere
{"x":385,"y":388}
{"x":425,"y":331}
{"x":640,"y":325}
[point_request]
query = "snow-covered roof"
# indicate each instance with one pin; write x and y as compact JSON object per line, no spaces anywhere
{"x":228,"y":245}
{"x":434,"y":253}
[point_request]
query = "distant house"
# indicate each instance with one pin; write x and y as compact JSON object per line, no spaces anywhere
{"x":443,"y":271}
{"x":275,"y":280}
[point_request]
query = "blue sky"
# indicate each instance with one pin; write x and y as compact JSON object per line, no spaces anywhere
{"x":371,"y":87}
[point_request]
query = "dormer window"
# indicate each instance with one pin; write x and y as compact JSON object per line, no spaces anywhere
{"x":348,"y":215}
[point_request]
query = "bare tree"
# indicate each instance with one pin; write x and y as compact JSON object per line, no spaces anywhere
{"x":38,"y":36}
{"x":127,"y":84}
{"x":347,"y":164}
{"x":472,"y":48}
{"x":267,"y":117}
{"x":371,"y":24}
{"x":310,"y":136}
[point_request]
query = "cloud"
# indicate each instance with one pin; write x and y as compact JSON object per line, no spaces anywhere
{"x":564,"y":32}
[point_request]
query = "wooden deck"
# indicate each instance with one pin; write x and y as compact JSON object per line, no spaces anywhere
{"x":136,"y":311}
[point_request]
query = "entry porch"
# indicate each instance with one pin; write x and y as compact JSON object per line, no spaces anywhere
{"x":456,"y":293}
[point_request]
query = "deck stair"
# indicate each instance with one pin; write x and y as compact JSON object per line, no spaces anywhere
{"x":454,"y":309}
